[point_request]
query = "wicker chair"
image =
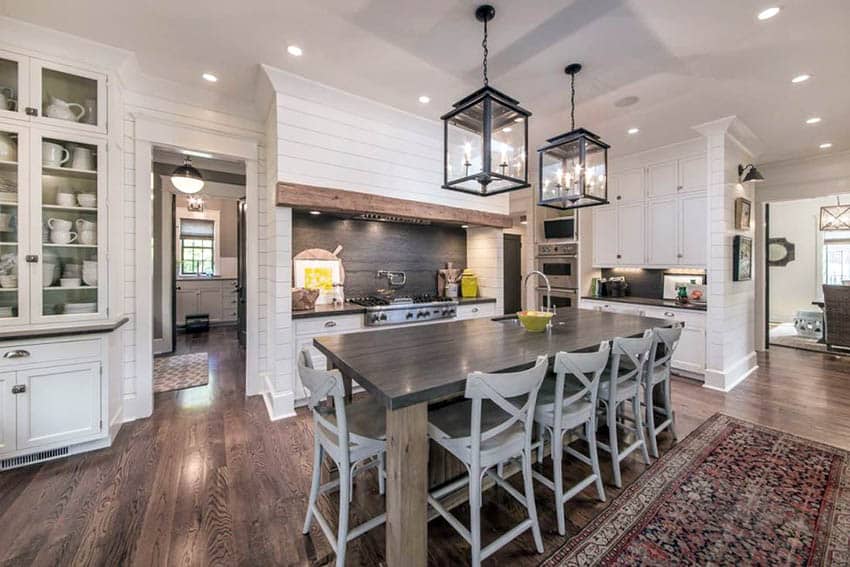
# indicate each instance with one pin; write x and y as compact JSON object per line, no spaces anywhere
{"x":836,"y":309}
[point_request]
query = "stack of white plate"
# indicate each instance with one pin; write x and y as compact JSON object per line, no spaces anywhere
{"x":77,"y":308}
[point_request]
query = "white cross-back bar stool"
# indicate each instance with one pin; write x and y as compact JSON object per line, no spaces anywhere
{"x":621,"y":384}
{"x":565,"y":403}
{"x":492,"y":426}
{"x":353,"y":436}
{"x":657,"y":375}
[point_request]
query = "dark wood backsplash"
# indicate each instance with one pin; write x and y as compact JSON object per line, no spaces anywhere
{"x":369,"y":246}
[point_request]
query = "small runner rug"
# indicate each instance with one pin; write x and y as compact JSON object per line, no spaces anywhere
{"x":180,"y":371}
{"x":731,"y":493}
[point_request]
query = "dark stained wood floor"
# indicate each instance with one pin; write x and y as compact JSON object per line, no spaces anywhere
{"x":209,"y":480}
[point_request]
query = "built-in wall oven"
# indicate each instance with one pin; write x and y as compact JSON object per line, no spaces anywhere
{"x":561,"y":298}
{"x":559,"y":262}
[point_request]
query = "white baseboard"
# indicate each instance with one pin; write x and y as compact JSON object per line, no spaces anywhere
{"x":726,"y":380}
{"x":280,"y":405}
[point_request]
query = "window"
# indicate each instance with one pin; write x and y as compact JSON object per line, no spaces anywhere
{"x":197,"y":246}
{"x":836,"y":261}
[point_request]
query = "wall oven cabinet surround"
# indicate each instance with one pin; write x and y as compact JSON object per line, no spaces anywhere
{"x":54,"y":398}
{"x":53,"y":224}
{"x":51,"y":94}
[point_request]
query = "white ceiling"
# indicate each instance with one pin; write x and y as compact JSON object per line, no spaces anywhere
{"x":688,"y":61}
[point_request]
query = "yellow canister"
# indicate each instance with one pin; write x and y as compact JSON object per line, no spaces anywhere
{"x":469,"y":284}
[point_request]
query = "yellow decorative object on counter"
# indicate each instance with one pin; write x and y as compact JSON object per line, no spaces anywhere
{"x":535,"y":321}
{"x":469,"y":284}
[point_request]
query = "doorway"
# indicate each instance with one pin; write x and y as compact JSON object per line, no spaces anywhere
{"x":512,"y":276}
{"x":199,"y":274}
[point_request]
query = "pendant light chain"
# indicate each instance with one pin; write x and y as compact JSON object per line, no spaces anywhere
{"x":572,"y":102}
{"x":484,"y":45}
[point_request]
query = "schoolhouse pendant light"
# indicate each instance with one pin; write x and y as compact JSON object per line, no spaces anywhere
{"x":573,"y":166}
{"x":186,"y":178}
{"x":485,"y":137}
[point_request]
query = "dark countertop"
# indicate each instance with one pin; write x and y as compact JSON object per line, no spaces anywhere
{"x":81,"y":329}
{"x":404,"y":366}
{"x":330,"y":309}
{"x":474,"y":300}
{"x":672,"y":304}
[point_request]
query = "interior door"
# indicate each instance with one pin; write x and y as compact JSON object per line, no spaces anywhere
{"x":242,"y":270}
{"x":58,"y":403}
{"x":512,"y":277}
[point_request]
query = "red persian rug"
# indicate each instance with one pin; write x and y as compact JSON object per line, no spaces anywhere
{"x":731,"y":493}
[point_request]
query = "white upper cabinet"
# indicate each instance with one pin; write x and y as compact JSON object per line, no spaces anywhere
{"x":606,"y":245}
{"x":662,"y":228}
{"x":662,"y":179}
{"x":51,"y":93}
{"x":693,"y":230}
{"x":631,"y":235}
{"x":627,"y":187}
{"x":693,"y":174}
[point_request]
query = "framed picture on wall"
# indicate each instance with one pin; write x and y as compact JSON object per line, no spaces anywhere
{"x":743,"y":213}
{"x":742,"y":258}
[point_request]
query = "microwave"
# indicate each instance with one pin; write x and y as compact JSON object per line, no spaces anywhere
{"x":561,"y":228}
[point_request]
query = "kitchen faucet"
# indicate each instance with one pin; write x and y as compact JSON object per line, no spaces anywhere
{"x":548,"y":289}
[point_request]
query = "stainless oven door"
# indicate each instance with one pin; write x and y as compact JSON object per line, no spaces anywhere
{"x":562,"y":271}
{"x":561,"y":298}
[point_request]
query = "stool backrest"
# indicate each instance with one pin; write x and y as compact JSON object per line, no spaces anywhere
{"x":514,"y":392}
{"x":668,"y":337}
{"x":587,"y":368}
{"x":636,"y":351}
{"x":325,"y":386}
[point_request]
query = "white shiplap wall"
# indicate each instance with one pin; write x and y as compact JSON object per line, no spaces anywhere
{"x":129,"y":273}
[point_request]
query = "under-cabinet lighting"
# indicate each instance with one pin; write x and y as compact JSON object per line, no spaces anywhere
{"x":193,"y":153}
{"x":315,"y":212}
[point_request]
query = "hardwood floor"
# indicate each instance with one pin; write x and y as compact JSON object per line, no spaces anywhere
{"x":209,"y":480}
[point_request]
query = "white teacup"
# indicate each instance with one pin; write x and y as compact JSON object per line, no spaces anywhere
{"x":65,"y":199}
{"x":88,"y":237}
{"x":87,"y":200}
{"x":8,"y":281}
{"x":54,"y":155}
{"x":62,"y":236}
{"x":60,"y":225}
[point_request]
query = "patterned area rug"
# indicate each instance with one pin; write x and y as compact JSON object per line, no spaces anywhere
{"x":731,"y":493}
{"x":180,"y":371}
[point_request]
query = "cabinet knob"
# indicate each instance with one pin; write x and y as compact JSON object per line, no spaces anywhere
{"x":679,"y":188}
{"x":679,"y":255}
{"x":475,"y":310}
{"x":19,"y":389}
{"x":619,"y":197}
{"x":619,"y":256}
{"x":31,"y":111}
{"x":16,"y":354}
{"x":330,"y":324}
{"x":31,"y":258}
{"x":669,"y":314}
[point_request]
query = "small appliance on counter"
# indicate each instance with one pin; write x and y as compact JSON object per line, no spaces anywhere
{"x":615,"y":286}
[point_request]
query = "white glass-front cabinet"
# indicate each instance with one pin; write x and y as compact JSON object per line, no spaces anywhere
{"x":51,"y":94}
{"x":52,"y":226}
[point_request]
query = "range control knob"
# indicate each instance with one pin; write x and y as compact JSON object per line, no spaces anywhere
{"x":420,"y":314}
{"x":409,"y":316}
{"x":383,"y":316}
{"x":375,"y":318}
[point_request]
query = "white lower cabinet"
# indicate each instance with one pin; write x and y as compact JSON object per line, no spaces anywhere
{"x":214,"y":297}
{"x":53,"y":395}
{"x":690,"y":355}
{"x":476,"y":310}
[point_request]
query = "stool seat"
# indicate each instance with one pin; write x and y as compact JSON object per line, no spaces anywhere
{"x":455,"y":422}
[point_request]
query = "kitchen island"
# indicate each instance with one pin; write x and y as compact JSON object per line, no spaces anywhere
{"x":407,"y":368}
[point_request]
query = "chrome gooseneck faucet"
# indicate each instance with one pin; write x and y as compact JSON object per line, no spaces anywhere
{"x":548,"y":288}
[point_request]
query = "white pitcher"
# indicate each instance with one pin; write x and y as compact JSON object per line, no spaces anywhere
{"x":54,"y":155}
{"x":82,"y":158}
{"x":62,"y":110}
{"x":8,"y":147}
{"x":85,"y":225}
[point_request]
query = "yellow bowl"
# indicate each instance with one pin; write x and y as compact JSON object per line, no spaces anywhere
{"x":534,"y":321}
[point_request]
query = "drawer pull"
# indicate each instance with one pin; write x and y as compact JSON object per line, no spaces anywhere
{"x":17,"y":354}
{"x":19,"y":389}
{"x":669,"y":314}
{"x":330,"y":324}
{"x":475,"y":310}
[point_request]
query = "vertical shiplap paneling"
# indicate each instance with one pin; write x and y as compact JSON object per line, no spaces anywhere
{"x":129,"y":272}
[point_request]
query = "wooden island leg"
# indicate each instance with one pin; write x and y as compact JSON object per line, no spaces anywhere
{"x":407,"y":486}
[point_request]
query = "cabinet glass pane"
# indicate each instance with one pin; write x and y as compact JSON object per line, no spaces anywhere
{"x":68,"y":97}
{"x":69,"y":227}
{"x":8,"y":84}
{"x":9,"y":233}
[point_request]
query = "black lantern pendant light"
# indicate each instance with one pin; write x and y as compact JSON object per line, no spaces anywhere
{"x":186,"y":178}
{"x":485,"y":137}
{"x":573,"y":166}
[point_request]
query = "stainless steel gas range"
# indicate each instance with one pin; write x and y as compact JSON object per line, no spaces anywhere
{"x":401,"y":310}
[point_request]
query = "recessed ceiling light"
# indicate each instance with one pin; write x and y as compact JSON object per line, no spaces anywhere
{"x":768,"y":13}
{"x":825,"y":145}
{"x":315,"y":212}
{"x":196,"y":154}
{"x":507,"y":129}
{"x":633,"y":130}
{"x":424,"y":99}
{"x":210,"y":77}
{"x":801,"y":78}
{"x":813,"y":120}
{"x":295,"y":51}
